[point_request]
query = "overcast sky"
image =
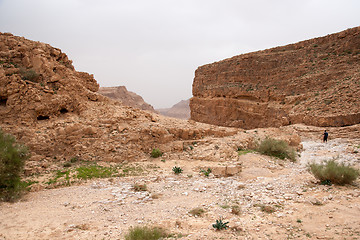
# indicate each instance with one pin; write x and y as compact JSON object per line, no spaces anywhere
{"x":153,"y":47}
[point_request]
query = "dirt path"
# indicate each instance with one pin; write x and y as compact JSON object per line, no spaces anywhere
{"x":106,"y":209}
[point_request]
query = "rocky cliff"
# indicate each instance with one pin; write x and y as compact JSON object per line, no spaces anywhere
{"x":127,"y":98}
{"x":315,"y":82}
{"x":39,"y":82}
{"x":57,"y":112}
{"x":180,"y":110}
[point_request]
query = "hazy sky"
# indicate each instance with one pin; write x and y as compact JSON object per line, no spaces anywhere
{"x":153,"y":47}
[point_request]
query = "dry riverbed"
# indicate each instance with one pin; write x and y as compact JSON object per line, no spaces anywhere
{"x":269,"y":199}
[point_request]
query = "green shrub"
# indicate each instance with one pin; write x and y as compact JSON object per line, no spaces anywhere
{"x":244,"y":151}
{"x":63,"y":175}
{"x":156,"y":153}
{"x":12,"y":160}
{"x":277,"y":148}
{"x":219,"y":225}
{"x":332,"y":172}
{"x":146,"y":233}
{"x":95,"y":171}
{"x":177,"y":170}
{"x":207,"y":172}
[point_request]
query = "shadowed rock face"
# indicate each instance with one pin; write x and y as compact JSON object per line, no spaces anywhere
{"x":316,"y":82}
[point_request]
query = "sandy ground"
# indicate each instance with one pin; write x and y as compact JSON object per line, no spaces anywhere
{"x":107,"y":208}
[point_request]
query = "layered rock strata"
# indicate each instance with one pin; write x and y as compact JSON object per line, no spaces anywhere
{"x":315,"y":82}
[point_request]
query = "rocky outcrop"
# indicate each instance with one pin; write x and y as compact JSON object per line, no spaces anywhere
{"x":57,"y":112}
{"x":38,"y":81}
{"x":315,"y":82}
{"x":127,"y":98}
{"x":180,"y":110}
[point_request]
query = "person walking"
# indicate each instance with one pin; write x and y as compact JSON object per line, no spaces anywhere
{"x":326,"y":135}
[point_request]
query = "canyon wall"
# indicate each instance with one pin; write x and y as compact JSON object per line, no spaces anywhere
{"x":315,"y":82}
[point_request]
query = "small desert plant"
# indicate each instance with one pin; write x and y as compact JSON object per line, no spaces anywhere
{"x":132,"y":170}
{"x":95,"y":171}
{"x":64,"y":176}
{"x":219,"y":225}
{"x":277,"y":148}
{"x":12,"y":160}
{"x":243,"y":151}
{"x":207,"y":172}
{"x":236,"y":210}
{"x":197,"y":212}
{"x":67,"y":164}
{"x":266,"y":208}
{"x":29,"y":74}
{"x":225,"y":206}
{"x":177,"y":170}
{"x":332,"y":172}
{"x":74,"y":159}
{"x":140,"y":187}
{"x":146,"y":233}
{"x":155,"y":153}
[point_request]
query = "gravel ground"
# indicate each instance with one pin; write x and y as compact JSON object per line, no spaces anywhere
{"x":269,"y":199}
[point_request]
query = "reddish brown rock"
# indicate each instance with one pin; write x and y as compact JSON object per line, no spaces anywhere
{"x":315,"y":82}
{"x":126,"y":97}
{"x":180,"y":110}
{"x":38,"y":81}
{"x":57,"y":112}
{"x":59,"y":115}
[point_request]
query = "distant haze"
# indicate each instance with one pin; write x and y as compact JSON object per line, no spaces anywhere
{"x":154,"y":47}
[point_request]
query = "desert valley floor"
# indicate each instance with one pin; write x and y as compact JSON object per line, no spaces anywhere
{"x":269,"y":199}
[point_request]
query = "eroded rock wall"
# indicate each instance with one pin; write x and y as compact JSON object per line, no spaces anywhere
{"x":38,"y":81}
{"x":315,"y":82}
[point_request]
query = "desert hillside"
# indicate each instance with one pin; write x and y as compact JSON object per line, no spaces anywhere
{"x":314,"y":82}
{"x":59,"y":114}
{"x":126,"y":97}
{"x":180,"y":110}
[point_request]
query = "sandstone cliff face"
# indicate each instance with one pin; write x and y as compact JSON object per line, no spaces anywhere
{"x":315,"y":82}
{"x":38,"y":81}
{"x":180,"y":110}
{"x":127,"y":98}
